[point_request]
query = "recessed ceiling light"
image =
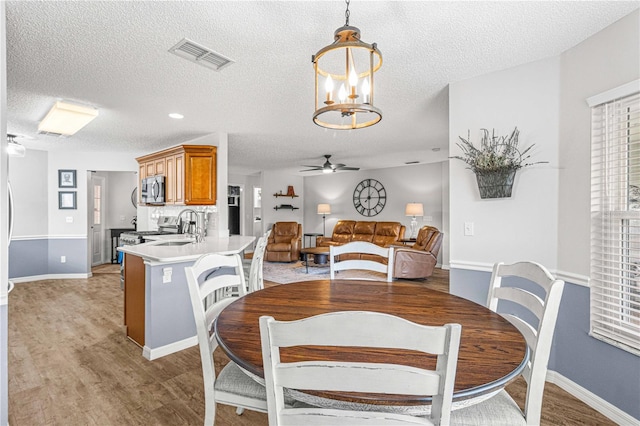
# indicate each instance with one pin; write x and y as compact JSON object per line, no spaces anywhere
{"x":176,"y":116}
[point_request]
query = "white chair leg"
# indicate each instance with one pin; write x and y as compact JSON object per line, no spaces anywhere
{"x":239,"y":411}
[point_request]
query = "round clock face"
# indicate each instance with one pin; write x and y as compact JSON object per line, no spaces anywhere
{"x":369,"y":197}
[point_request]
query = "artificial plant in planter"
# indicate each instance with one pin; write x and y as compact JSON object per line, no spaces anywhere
{"x":496,"y":161}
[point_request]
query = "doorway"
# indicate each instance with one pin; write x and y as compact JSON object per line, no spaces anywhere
{"x":96,"y":210}
{"x":236,"y":208}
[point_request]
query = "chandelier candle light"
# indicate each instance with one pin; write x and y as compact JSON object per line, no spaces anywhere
{"x":350,"y":63}
{"x":413,"y":210}
{"x":324,"y":209}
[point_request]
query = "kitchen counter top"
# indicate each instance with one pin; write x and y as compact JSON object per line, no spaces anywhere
{"x":180,"y":248}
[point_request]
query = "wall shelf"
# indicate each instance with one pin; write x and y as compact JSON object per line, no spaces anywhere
{"x":285,"y":207}
{"x":285,"y":195}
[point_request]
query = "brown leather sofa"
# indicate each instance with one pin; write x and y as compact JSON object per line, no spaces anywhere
{"x":419,"y":260}
{"x":284,"y":242}
{"x":383,"y":234}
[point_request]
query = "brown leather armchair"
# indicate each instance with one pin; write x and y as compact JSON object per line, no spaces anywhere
{"x":419,"y":260}
{"x":284,"y":242}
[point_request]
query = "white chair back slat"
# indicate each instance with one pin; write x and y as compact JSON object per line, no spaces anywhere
{"x":358,"y":377}
{"x":357,"y":329}
{"x":363,"y":329}
{"x":521,"y":297}
{"x":361,"y":247}
{"x":328,"y":417}
{"x":529,"y":333}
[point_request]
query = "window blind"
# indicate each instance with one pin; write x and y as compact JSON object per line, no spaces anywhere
{"x":615,"y":222}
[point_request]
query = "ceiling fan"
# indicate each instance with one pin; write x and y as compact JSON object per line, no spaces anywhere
{"x":327,"y":167}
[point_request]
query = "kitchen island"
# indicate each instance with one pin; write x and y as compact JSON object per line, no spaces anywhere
{"x":158,"y":314}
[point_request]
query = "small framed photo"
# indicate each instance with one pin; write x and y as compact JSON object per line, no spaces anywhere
{"x":67,"y":200}
{"x":66,"y":178}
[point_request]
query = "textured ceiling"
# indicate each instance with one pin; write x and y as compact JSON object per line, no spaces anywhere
{"x":114,"y":55}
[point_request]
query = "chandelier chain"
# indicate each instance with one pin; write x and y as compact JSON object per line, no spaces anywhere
{"x":347,"y":13}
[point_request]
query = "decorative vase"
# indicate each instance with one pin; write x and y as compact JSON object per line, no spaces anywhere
{"x":495,"y":183}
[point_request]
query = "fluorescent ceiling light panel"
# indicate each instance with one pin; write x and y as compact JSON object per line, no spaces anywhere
{"x":66,"y":119}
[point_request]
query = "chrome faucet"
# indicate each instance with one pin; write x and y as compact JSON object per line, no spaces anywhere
{"x":200,"y":224}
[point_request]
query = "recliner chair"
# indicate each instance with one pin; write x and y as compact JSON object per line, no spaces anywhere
{"x":285,"y":242}
{"x":419,"y":260}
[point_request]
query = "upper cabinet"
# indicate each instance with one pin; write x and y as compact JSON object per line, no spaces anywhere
{"x":189,"y":172}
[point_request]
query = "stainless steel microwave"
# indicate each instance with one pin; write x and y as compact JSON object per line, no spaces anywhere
{"x":153,"y":190}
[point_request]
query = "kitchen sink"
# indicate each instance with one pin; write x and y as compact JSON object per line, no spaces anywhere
{"x":173,"y":243}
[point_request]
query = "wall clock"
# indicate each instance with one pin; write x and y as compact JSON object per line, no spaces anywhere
{"x":369,"y":197}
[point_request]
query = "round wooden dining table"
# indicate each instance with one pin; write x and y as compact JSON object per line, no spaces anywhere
{"x":492,"y":351}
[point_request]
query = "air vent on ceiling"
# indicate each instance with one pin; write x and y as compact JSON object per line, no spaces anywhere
{"x":199,"y":54}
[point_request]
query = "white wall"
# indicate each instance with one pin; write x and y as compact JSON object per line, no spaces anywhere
{"x":523,"y":227}
{"x":420,"y":183}
{"x":83,"y":163}
{"x":272,"y":183}
{"x":587,"y":70}
{"x":118,"y":206}
{"x":28,"y":177}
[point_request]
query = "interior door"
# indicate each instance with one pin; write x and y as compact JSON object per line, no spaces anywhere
{"x":97,"y":220}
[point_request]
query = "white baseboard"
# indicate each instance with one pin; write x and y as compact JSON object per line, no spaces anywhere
{"x":50,"y":277}
{"x":156,"y":353}
{"x":592,"y":400}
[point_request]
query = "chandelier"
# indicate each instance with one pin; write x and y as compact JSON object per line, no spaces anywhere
{"x":345,"y":69}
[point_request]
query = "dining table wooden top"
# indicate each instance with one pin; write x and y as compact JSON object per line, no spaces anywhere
{"x":492,"y":351}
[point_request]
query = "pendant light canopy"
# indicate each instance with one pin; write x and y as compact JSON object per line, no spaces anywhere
{"x":344,"y":81}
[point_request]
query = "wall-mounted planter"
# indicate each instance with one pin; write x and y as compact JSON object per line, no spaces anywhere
{"x":495,"y":183}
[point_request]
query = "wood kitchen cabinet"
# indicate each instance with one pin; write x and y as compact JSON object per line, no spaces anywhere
{"x":189,"y":171}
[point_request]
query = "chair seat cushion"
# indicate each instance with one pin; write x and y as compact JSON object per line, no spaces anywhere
{"x":501,"y":410}
{"x":233,"y":380}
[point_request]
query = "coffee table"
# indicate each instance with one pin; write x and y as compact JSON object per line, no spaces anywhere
{"x":320,"y":255}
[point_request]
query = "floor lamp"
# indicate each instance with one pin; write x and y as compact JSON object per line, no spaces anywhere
{"x":324,"y":209}
{"x":413,"y":210}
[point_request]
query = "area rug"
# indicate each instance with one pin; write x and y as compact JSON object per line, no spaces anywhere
{"x":284,"y":273}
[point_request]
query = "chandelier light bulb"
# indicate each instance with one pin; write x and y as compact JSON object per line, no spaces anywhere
{"x":366,"y":90}
{"x":328,"y":86}
{"x":342,"y":93}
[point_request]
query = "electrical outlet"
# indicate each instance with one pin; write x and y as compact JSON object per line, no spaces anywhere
{"x":69,"y":219}
{"x":121,"y":218}
{"x":166,"y":279}
{"x":166,"y":275}
{"x":468,"y":228}
{"x":427,"y":219}
{"x":63,"y":259}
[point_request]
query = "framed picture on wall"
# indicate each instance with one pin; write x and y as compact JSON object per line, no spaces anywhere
{"x":67,"y":200}
{"x":66,"y":178}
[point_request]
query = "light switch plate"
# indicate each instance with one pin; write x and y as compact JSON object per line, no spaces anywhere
{"x":468,"y":228}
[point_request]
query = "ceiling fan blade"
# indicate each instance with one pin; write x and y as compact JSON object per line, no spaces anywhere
{"x":311,"y":170}
{"x":315,"y":167}
{"x":337,"y":166}
{"x":349,"y":168}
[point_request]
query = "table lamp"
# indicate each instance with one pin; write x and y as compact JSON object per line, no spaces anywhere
{"x":324,"y":209}
{"x":413,"y":210}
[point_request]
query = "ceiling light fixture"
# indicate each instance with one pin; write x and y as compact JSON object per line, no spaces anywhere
{"x":349,"y":62}
{"x":176,"y":116}
{"x":66,"y":119}
{"x":14,"y":149}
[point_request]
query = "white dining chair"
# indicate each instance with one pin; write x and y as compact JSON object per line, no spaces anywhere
{"x":362,"y":255}
{"x":231,"y":386}
{"x":535,"y":316}
{"x":364,"y":330}
{"x":254,"y":274}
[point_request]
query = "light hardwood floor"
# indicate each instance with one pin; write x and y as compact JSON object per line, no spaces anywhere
{"x":71,"y":364}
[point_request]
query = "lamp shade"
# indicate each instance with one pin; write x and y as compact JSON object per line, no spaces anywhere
{"x":66,"y":119}
{"x":414,"y":209}
{"x":324,"y":209}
